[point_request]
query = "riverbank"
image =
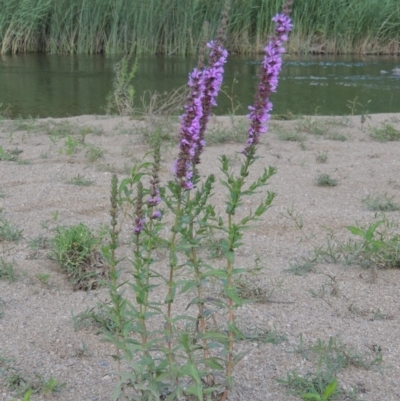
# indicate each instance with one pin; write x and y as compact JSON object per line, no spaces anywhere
{"x":175,"y":27}
{"x":58,"y":172}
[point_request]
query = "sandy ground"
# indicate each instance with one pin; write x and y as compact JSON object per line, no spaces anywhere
{"x":37,"y":334}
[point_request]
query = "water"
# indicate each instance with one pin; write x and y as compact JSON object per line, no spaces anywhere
{"x":65,"y":85}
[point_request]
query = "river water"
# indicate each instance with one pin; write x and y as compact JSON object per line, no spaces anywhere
{"x":42,"y":85}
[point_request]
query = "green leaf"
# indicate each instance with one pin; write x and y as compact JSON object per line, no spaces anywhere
{"x":213,"y":364}
{"x":215,"y":273}
{"x":330,"y":389}
{"x":214,"y":335}
{"x":232,"y":294}
{"x":190,"y":284}
{"x":356,"y":231}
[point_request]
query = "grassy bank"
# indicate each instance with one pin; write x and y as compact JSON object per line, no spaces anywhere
{"x":174,"y":26}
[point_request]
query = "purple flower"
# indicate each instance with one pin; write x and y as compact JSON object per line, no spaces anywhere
{"x":157,"y":214}
{"x":271,"y":66}
{"x":139,"y":224}
{"x":154,"y":198}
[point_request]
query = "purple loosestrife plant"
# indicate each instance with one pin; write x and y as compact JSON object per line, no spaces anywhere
{"x":186,"y":357}
{"x":271,"y":66}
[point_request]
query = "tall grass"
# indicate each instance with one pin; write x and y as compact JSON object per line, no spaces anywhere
{"x":174,"y":26}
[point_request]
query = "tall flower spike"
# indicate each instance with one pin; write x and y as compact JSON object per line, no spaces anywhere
{"x":139,"y":218}
{"x":213,"y":76}
{"x":154,"y":198}
{"x":190,"y":129}
{"x":268,"y":78}
{"x":204,"y":84}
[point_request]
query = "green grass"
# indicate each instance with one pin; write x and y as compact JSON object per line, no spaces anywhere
{"x":9,"y":232}
{"x":81,"y":181}
{"x":290,"y":136}
{"x":325,"y":180}
{"x":321,"y":157}
{"x":329,"y":357}
{"x":381,"y":203}
{"x":386,"y":133}
{"x":373,"y":245}
{"x":76,"y":250}
{"x":8,"y":156}
{"x":93,"y":153}
{"x":7,"y":271}
{"x":174,"y":27}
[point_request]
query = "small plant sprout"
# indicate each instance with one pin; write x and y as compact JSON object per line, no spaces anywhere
{"x":381,"y":203}
{"x":81,"y":180}
{"x":386,"y":133}
{"x":321,"y":157}
{"x":329,"y":391}
{"x":43,"y":278}
{"x":325,"y":180}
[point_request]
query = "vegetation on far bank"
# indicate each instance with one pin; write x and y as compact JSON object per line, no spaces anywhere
{"x":174,"y":27}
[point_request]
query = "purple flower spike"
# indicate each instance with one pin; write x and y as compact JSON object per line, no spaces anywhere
{"x":213,"y":76}
{"x":204,"y":84}
{"x":154,"y":198}
{"x":190,"y":129}
{"x":271,"y":66}
{"x":139,"y":224}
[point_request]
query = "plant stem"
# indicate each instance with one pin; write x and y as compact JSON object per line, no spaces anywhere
{"x":170,"y":296}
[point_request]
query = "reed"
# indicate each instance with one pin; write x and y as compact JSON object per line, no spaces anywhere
{"x":173,"y":27}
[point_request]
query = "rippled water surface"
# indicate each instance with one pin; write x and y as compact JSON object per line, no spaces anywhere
{"x":64,"y":85}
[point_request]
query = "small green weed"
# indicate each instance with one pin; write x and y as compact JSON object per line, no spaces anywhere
{"x":71,"y":146}
{"x":331,"y":357}
{"x":321,"y":157}
{"x":37,"y":243}
{"x":311,"y":386}
{"x":335,"y":136}
{"x":337,"y":356}
{"x":290,"y":136}
{"x":9,"y":232}
{"x":51,"y":386}
{"x":220,"y":134}
{"x":7,"y":271}
{"x":7,"y":156}
{"x":377,"y":248}
{"x":262,"y":336}
{"x":81,"y":180}
{"x":26,"y":386}
{"x":289,"y":116}
{"x":381,"y":203}
{"x":43,"y":278}
{"x":386,"y":133}
{"x":98,"y":317}
{"x":58,"y":130}
{"x":75,"y":249}
{"x":159,"y":128}
{"x":93,"y":153}
{"x":301,"y":268}
{"x":324,"y":180}
{"x":311,"y":126}
{"x":377,"y":245}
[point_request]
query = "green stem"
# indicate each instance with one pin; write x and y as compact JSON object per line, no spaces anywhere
{"x":172,"y":266}
{"x":200,"y":318}
{"x":231,"y":316}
